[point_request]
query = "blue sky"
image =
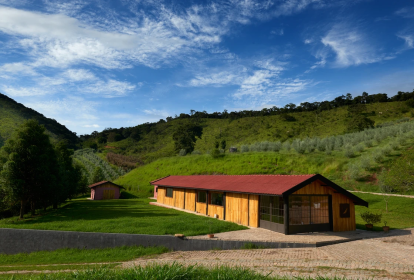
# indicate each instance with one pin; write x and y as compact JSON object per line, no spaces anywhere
{"x":96,"y":64}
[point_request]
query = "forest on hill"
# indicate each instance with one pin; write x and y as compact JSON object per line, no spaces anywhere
{"x":13,"y":114}
{"x":142,"y":144}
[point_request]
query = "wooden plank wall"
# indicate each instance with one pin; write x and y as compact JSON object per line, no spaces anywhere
{"x":179,"y":198}
{"x":237,"y":208}
{"x":339,"y":224}
{"x":216,"y":209}
{"x":201,"y":208}
{"x":253,"y":210}
{"x":190,"y":198}
{"x":161,"y":195}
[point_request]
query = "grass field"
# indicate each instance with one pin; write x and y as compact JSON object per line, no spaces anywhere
{"x":79,"y":256}
{"x":136,"y":216}
{"x":157,"y":272}
{"x":133,"y":216}
{"x":400,"y":211}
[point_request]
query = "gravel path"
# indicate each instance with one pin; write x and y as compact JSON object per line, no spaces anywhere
{"x":376,"y":258}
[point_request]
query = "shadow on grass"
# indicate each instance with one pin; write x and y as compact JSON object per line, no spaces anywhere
{"x":99,"y":210}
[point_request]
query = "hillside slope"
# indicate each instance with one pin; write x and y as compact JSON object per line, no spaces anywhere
{"x":12,"y":114}
{"x":352,"y":161}
{"x":155,"y":140}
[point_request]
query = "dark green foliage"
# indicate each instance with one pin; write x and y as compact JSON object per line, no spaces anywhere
{"x":31,"y":167}
{"x":185,"y":137}
{"x":93,"y":146}
{"x":36,"y":173}
{"x":371,"y":218}
{"x":410,"y":103}
{"x":223,"y":144}
{"x":359,"y":123}
{"x":13,"y":114}
{"x":98,"y":175}
{"x":288,"y":117}
{"x":215,"y":153}
{"x":252,"y":246}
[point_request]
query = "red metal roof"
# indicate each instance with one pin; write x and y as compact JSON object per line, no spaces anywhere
{"x":260,"y":184}
{"x":103,"y":182}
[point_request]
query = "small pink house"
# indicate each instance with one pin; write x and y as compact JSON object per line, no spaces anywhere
{"x":105,"y":190}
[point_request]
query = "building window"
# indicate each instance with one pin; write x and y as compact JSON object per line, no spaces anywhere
{"x":217,"y":199}
{"x":156,"y":189}
{"x":307,"y":210}
{"x":202,"y":197}
{"x":169,"y":192}
{"x":272,"y":209}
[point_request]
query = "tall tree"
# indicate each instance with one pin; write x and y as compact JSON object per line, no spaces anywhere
{"x":185,"y":137}
{"x":29,"y":163}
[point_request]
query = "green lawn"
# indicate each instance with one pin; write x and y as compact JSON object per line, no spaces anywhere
{"x":79,"y":256}
{"x":400,"y":211}
{"x":121,"y":216}
{"x":156,"y":272}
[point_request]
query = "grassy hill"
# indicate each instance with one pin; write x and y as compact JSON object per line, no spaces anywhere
{"x":156,"y":139}
{"x":351,"y":160}
{"x":12,"y":114}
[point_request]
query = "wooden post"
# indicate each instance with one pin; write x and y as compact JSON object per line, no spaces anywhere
{"x":224,"y":206}
{"x":286,"y":214}
{"x":207,"y":202}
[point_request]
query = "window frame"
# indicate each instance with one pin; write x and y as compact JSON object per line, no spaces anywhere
{"x":216,"y":193}
{"x":166,"y":192}
{"x":198,"y":197}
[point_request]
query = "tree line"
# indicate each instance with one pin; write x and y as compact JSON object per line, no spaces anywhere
{"x":138,"y":132}
{"x":34,"y":173}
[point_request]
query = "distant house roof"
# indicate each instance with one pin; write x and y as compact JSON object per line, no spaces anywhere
{"x":104,"y":182}
{"x":257,"y":184}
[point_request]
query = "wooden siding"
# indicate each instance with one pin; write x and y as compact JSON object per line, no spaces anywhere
{"x":179,"y":198}
{"x":216,"y":209}
{"x":339,"y":224}
{"x":162,"y":198}
{"x":237,"y":208}
{"x":253,"y":210}
{"x":201,"y":208}
{"x":190,"y":197}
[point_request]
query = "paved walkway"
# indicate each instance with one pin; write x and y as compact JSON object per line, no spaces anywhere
{"x":400,"y":195}
{"x":375,"y":258}
{"x":261,"y":234}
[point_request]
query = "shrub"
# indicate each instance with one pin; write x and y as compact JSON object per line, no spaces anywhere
{"x":349,"y":152}
{"x":354,"y":171}
{"x":196,"y":152}
{"x":371,"y":218}
{"x":359,"y":148}
{"x":182,"y":152}
{"x":328,"y":150}
{"x":215,"y":153}
{"x":378,"y":156}
{"x":387,"y":150}
{"x":368,"y":143}
{"x":275,"y":146}
{"x":286,"y":145}
{"x":394,"y":145}
{"x":244,"y":148}
{"x":365,"y":163}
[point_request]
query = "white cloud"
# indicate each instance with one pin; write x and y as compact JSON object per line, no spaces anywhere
{"x":91,"y":125}
{"x":350,"y":46}
{"x":409,"y":40}
{"x":308,"y":41}
{"x":406,"y":12}
{"x":110,"y":88}
{"x":156,"y":114}
{"x":16,"y":91}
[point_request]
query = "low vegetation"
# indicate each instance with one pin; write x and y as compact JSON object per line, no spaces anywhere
{"x":135,"y":216}
{"x":158,"y":271}
{"x":400,"y":213}
{"x":94,"y":168}
{"x":79,"y":256}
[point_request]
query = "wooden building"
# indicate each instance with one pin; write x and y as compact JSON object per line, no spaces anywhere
{"x":105,"y":190}
{"x":283,"y":203}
